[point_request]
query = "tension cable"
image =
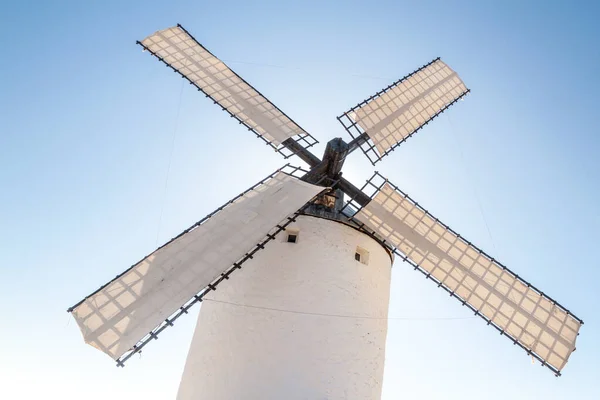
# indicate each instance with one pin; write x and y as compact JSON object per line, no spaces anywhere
{"x":164,"y":196}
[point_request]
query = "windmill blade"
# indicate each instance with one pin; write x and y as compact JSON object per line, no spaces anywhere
{"x":124,"y":311}
{"x":518,"y":310}
{"x":385,"y":120}
{"x":181,"y":52}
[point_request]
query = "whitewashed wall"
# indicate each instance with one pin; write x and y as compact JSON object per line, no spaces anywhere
{"x":255,"y":353}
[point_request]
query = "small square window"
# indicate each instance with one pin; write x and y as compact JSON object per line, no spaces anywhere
{"x":361,"y":255}
{"x":291,"y":235}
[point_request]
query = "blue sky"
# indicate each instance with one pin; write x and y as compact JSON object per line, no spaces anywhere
{"x":86,"y":128}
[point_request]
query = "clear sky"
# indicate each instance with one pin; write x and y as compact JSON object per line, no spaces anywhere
{"x":86,"y":126}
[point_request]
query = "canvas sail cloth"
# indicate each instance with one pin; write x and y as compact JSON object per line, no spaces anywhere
{"x":395,"y":114}
{"x":524,"y":314}
{"x":116,"y":317}
{"x":182,"y":52}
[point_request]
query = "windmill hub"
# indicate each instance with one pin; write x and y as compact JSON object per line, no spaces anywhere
{"x":328,"y":170}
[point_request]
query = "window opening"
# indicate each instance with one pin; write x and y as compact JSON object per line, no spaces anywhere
{"x":291,"y":235}
{"x":361,"y":255}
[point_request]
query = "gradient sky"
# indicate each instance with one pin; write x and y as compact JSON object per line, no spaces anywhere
{"x":86,"y":126}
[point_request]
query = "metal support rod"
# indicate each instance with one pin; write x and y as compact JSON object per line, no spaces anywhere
{"x":357,"y":141}
{"x":404,"y":257}
{"x":304,"y":154}
{"x":303,"y":137}
{"x":282,"y":169}
{"x":355,"y":193}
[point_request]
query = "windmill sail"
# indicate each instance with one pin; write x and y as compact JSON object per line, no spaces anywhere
{"x":524,"y":314}
{"x":117,"y":316}
{"x":180,"y":51}
{"x":394,"y":114}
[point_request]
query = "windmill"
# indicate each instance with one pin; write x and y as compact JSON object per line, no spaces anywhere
{"x":309,"y":242}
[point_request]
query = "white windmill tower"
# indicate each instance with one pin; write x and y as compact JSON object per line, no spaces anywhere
{"x":291,"y":243}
